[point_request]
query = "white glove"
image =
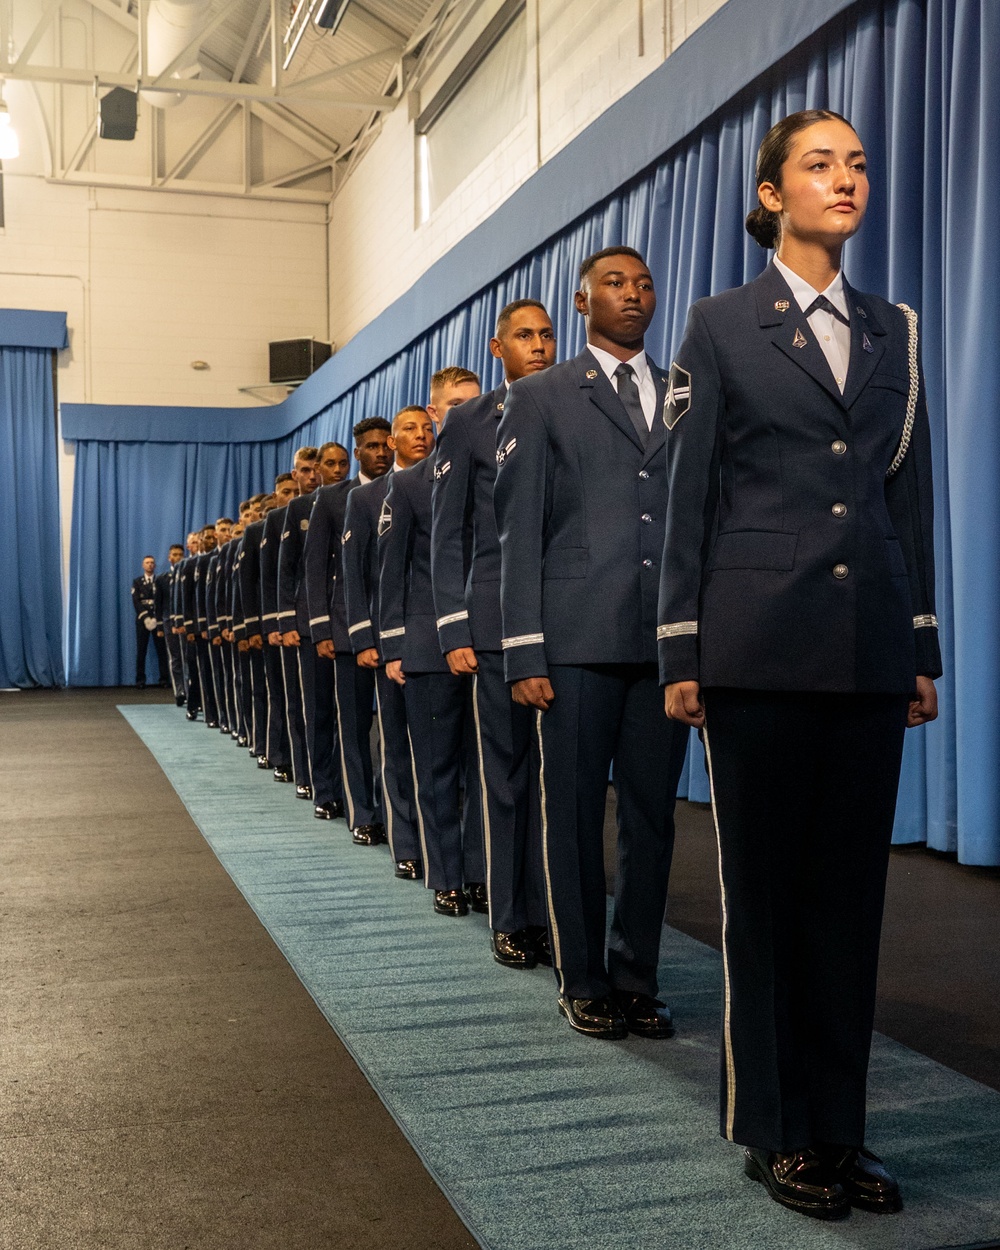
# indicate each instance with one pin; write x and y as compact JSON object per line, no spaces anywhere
{"x":151,"y":624}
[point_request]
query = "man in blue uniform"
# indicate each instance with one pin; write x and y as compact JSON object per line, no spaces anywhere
{"x":144,"y":603}
{"x":580,"y":506}
{"x":438,"y":701}
{"x":279,"y":749}
{"x":350,"y":692}
{"x":165,"y":615}
{"x":465,"y":564}
{"x":198,"y":610}
{"x":406,"y":445}
{"x":248,"y":571}
{"x":184,"y":624}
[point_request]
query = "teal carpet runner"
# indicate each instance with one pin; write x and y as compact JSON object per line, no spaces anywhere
{"x":540,"y":1138}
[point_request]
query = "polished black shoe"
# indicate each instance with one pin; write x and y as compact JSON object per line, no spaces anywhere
{"x":242,"y":740}
{"x":263,"y":761}
{"x":211,"y":724}
{"x":513,"y":950}
{"x":328,"y":811}
{"x":645,"y":1016}
{"x":596,"y":1017}
{"x":191,"y":713}
{"x":282,"y":774}
{"x":478,"y":899}
{"x":303,"y":792}
{"x":866,"y":1181}
{"x":451,"y":903}
{"x":180,"y":700}
{"x":224,"y":730}
{"x":409,"y":869}
{"x":803,"y":1182}
{"x":368,"y":835}
{"x":539,"y":937}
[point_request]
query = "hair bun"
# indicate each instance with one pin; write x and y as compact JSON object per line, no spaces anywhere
{"x":762,"y":225}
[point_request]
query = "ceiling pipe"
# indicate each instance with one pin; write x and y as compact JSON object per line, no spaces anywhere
{"x":170,"y":27}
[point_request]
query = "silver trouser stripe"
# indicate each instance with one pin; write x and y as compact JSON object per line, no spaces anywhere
{"x":484,"y":791}
{"x":553,"y":927}
{"x":677,"y":630}
{"x":393,"y":633}
{"x":727,"y":1036}
{"x":929,"y":621}
{"x":521,"y":640}
{"x":353,"y":629}
{"x":318,"y":620}
{"x":451,"y":619}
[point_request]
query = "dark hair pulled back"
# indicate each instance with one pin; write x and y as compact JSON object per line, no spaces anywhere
{"x":761,"y":224}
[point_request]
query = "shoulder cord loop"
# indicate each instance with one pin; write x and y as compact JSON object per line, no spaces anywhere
{"x":911,"y":401}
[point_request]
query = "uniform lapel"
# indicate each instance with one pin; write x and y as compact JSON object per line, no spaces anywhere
{"x":658,"y":432}
{"x":780,"y":315}
{"x":867,"y":345}
{"x":594,"y":381}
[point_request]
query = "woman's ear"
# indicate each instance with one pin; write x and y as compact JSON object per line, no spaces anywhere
{"x":770,"y":197}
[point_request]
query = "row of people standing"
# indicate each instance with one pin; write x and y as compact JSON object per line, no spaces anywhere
{"x":576,"y":526}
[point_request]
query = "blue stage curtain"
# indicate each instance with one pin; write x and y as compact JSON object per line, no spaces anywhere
{"x":30,"y":575}
{"x":918,"y":79}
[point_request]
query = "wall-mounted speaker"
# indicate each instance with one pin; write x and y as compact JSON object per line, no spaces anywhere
{"x":118,"y":113}
{"x":292,"y":360}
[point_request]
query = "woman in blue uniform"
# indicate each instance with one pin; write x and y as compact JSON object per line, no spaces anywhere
{"x":797,"y":629}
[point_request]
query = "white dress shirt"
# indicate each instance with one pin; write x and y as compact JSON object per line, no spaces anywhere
{"x":832,"y":335}
{"x":643,"y":378}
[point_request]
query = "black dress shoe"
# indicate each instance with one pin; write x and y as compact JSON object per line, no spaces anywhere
{"x":368,"y":835}
{"x":191,"y":713}
{"x":451,"y":903}
{"x":866,"y":1181}
{"x":596,"y":1017}
{"x":263,"y":761}
{"x":539,"y":937}
{"x":179,"y":700}
{"x":802,"y":1182}
{"x":478,"y":899}
{"x":513,"y":950}
{"x":282,"y":774}
{"x":328,"y":811}
{"x":303,"y":792}
{"x":224,"y":730}
{"x":409,"y":869}
{"x":645,"y":1016}
{"x":242,"y":740}
{"x":211,"y":724}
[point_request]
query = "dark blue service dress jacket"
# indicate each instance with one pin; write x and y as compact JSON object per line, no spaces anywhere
{"x":791,"y":561}
{"x":293,"y":606}
{"x":580,"y":504}
{"x":407,"y":624}
{"x":359,"y":561}
{"x":324,"y":575}
{"x":465,"y":545}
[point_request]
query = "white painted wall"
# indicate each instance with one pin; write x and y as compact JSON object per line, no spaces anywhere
{"x":151,"y":282}
{"x":583,"y":56}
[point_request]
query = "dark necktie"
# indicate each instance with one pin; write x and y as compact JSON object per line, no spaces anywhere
{"x":822,"y":304}
{"x":628,"y":393}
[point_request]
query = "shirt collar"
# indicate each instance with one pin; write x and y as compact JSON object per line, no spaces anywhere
{"x":364,"y":478}
{"x":805,"y":294}
{"x":609,"y":363}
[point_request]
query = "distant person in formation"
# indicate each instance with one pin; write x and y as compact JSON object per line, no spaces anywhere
{"x":147,"y":624}
{"x":465,"y":568}
{"x":165,"y":614}
{"x":580,"y":502}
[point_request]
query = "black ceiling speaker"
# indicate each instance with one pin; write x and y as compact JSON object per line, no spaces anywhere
{"x":118,"y":112}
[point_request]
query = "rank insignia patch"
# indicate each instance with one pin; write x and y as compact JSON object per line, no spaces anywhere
{"x":441,"y":470}
{"x":384,"y":520}
{"x":343,"y":541}
{"x":504,"y":452}
{"x":678,"y":399}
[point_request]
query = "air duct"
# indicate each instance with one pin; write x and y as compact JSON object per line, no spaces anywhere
{"x":171,"y":25}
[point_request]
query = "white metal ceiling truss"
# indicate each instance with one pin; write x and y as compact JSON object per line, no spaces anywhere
{"x":247,"y":125}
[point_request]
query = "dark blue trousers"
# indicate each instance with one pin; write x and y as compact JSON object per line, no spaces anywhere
{"x":321,"y":723}
{"x":354,"y":691}
{"x":804,"y":792}
{"x":219,"y":683}
{"x":175,"y":659}
{"x":396,"y":769}
{"x":607,"y":717}
{"x":206,"y":674}
{"x":258,"y":687}
{"x":279,"y":751}
{"x":244,"y":684}
{"x":439,"y":725}
{"x":511,"y":815}
{"x":295,"y":716}
{"x":192,"y":684}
